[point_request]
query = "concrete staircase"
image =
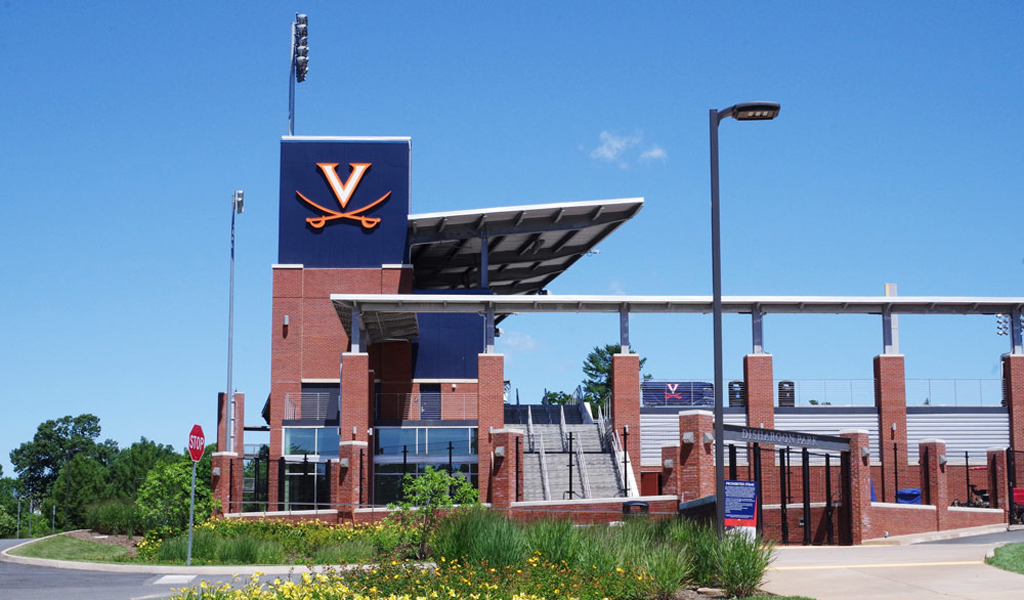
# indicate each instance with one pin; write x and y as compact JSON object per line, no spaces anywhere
{"x":600,"y":464}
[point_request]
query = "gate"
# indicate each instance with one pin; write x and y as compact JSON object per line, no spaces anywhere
{"x":803,"y":483}
{"x":1015,"y":478}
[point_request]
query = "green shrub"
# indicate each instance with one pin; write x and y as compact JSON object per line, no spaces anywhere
{"x":8,"y":524}
{"x":667,"y":567}
{"x":480,"y":534}
{"x":353,"y":552}
{"x":205,"y":547}
{"x":119,"y":516}
{"x":247,"y":550}
{"x":742,"y":562}
{"x":557,"y":540}
{"x":701,"y":544}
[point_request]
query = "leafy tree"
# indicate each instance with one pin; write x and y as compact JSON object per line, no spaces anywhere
{"x":8,"y":494}
{"x":429,"y":494}
{"x":55,"y":443}
{"x":88,"y":485}
{"x":597,"y":387}
{"x":131,"y":466}
{"x":164,"y":496}
{"x":555,"y":397}
{"x":8,"y":524}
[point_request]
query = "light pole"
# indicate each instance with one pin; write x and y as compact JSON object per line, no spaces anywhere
{"x":299,"y":64}
{"x":747,"y":111}
{"x":236,"y":208}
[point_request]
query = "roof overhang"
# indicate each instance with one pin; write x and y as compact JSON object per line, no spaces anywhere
{"x":379,"y":312}
{"x":526,"y":246}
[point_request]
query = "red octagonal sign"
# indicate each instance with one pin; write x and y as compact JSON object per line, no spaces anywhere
{"x":196,"y":443}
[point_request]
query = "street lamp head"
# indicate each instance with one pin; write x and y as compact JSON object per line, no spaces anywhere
{"x":238,"y":200}
{"x":754,"y":111}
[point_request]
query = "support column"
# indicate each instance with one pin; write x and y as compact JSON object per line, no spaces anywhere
{"x":504,"y":481}
{"x":891,"y":404}
{"x":933,"y":479}
{"x":860,"y":487}
{"x":348,"y":488}
{"x":998,"y":480}
{"x":626,"y":406}
{"x":490,"y":411}
{"x":1013,"y":397}
{"x":695,"y":472}
{"x":355,"y":392}
{"x":227,"y":481}
{"x":759,"y":384}
{"x":671,"y":461}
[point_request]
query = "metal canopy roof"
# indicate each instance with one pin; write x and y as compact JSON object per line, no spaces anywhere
{"x":380,"y":311}
{"x":527,"y":246}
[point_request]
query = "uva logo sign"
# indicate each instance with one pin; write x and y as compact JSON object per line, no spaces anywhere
{"x":343,"y":194}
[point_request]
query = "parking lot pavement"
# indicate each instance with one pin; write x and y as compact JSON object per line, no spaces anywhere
{"x":918,"y":572}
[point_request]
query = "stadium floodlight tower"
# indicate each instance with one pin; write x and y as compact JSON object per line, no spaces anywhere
{"x":237,"y":201}
{"x":299,"y":64}
{"x":747,"y":111}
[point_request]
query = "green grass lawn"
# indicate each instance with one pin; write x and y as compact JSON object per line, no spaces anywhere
{"x":62,"y":547}
{"x":1009,"y":557}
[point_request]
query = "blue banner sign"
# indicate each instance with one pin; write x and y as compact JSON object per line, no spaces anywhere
{"x":740,"y":503}
{"x":344,"y":203}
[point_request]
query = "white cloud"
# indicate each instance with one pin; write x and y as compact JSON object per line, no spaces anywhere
{"x":653,"y":154}
{"x":614,"y":146}
{"x":518,"y":341}
{"x":617,"y":289}
{"x":622,"y":150}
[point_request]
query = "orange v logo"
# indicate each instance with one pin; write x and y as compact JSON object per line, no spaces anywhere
{"x":343,"y":193}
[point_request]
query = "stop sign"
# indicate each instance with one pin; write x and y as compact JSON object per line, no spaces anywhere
{"x":196,"y":443}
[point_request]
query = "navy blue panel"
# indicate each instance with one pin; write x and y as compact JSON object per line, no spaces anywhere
{"x":343,"y":242}
{"x":448,"y":346}
{"x":677,"y":393}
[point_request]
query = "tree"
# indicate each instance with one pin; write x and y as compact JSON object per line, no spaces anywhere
{"x":429,"y":494}
{"x":131,"y":466}
{"x":555,"y":397}
{"x":88,"y":484}
{"x":164,"y":496}
{"x":38,"y":462}
{"x":597,"y":387}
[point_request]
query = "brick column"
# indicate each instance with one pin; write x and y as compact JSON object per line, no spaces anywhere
{"x":227,"y":481}
{"x":891,"y":403}
{"x":860,"y":487}
{"x":221,"y":484}
{"x":695,"y":477}
{"x":348,"y":488}
{"x":758,"y":379}
{"x":626,"y":405}
{"x":490,"y":403}
{"x":1013,"y":397}
{"x":998,"y":481}
{"x":504,"y":480}
{"x":355,"y":392}
{"x":933,"y":479}
{"x":670,"y":475}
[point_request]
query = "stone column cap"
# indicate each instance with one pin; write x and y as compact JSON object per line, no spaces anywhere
{"x":849,"y":431}
{"x":996,"y":449}
{"x":687,"y":413}
{"x":932,"y":441}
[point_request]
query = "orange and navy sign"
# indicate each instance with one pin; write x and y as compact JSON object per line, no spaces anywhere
{"x":344,"y":203}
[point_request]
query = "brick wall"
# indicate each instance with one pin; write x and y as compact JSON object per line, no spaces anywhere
{"x":891,"y":402}
{"x":1013,"y":386}
{"x":490,"y":413}
{"x":626,"y":404}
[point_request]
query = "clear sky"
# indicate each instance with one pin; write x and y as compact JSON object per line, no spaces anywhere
{"x":126,"y":126}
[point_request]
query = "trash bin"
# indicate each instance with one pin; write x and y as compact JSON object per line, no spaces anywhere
{"x":737,"y":393}
{"x":635,"y":508}
{"x":787,"y":393}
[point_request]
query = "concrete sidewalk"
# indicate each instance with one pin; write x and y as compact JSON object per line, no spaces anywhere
{"x":916,"y":572}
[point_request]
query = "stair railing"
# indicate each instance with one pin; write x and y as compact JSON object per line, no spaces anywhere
{"x":544,"y":479}
{"x":617,"y":457}
{"x":561,"y":429}
{"x":581,"y":464}
{"x":529,"y":429}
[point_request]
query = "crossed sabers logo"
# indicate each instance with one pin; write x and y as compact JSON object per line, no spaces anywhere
{"x":343,"y":192}
{"x":671,"y":393}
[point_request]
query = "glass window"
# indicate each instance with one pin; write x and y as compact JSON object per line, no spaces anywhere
{"x":299,"y":440}
{"x":438,"y":439}
{"x":327,"y":442}
{"x":391,"y":440}
{"x":306,"y":486}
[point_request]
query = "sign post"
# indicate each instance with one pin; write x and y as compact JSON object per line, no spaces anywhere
{"x":196,"y":448}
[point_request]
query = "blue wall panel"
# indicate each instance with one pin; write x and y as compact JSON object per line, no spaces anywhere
{"x":448,"y":346}
{"x":343,"y":242}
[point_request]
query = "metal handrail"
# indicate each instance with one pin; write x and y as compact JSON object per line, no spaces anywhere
{"x":581,"y":464}
{"x":612,"y":441}
{"x":529,"y":429}
{"x":561,"y":429}
{"x":544,"y":479}
{"x":306,"y":405}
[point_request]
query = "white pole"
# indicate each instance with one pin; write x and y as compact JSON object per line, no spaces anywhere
{"x":191,"y":515}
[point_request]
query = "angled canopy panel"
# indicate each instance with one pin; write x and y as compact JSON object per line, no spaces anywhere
{"x":526,"y":246}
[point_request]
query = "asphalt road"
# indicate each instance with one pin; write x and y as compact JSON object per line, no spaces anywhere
{"x":30,"y":582}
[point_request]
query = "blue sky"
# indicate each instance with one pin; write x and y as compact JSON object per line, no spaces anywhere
{"x":126,"y":126}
